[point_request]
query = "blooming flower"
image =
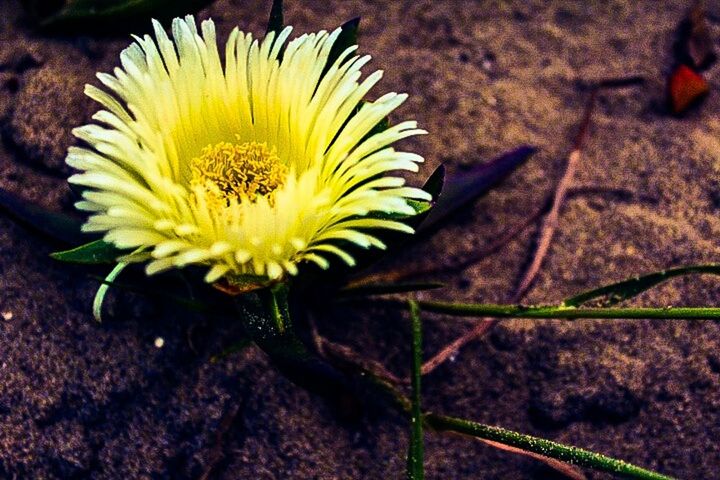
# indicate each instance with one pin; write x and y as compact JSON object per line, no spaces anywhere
{"x":247,"y":166}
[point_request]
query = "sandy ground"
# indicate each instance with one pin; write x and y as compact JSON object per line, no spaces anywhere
{"x":83,"y":400}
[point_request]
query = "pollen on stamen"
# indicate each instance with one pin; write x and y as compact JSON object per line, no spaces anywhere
{"x":237,"y":172}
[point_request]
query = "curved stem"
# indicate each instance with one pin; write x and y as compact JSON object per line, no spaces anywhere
{"x":561,"y":311}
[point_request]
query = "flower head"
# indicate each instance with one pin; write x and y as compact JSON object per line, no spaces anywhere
{"x":249,"y":165}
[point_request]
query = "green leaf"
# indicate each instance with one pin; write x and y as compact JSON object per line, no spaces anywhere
{"x":348,"y":37}
{"x":570,"y":471}
{"x":58,"y":226}
{"x":547,"y":448}
{"x":415,"y":469}
{"x":116,"y":15}
{"x":95,"y":252}
{"x":617,"y":292}
{"x":462,"y":188}
{"x":276,"y":21}
{"x":435,"y":182}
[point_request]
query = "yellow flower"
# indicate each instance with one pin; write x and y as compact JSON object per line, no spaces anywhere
{"x":249,"y":165}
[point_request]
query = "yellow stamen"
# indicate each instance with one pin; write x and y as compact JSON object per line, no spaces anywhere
{"x":244,"y":172}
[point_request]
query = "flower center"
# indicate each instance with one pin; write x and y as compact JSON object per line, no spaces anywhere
{"x":241,"y":172}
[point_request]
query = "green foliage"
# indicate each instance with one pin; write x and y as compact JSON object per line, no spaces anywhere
{"x":348,"y":37}
{"x":434,"y":184}
{"x":617,"y":292}
{"x":464,"y":187}
{"x":96,"y":252}
{"x":548,"y":448}
{"x":569,"y":312}
{"x":265,"y":316}
{"x":57,"y":226}
{"x":276,"y":21}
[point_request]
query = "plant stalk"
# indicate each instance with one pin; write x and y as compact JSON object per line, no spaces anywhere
{"x":562,"y":311}
{"x":415,"y":459}
{"x":548,"y":448}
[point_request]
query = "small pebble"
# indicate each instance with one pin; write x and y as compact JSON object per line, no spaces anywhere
{"x":159,"y":342}
{"x":8,"y":315}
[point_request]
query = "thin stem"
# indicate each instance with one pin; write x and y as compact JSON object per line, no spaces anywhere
{"x":527,"y":443}
{"x":503,"y":239}
{"x":277,"y":316}
{"x":100,"y":295}
{"x":519,"y":311}
{"x":572,"y":472}
{"x":551,"y":221}
{"x":549,"y":226}
{"x":566,"y":453}
{"x":276,"y":304}
{"x":452,"y":348}
{"x":415,"y":454}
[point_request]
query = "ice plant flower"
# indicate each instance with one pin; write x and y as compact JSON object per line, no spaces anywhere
{"x":248,"y":166}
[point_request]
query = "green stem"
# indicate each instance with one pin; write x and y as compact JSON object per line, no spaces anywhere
{"x":278,"y":307}
{"x":548,"y":448}
{"x":104,"y":287}
{"x":305,"y":368}
{"x":265,"y":315}
{"x":567,"y":453}
{"x":560,"y":311}
{"x":416,"y":469}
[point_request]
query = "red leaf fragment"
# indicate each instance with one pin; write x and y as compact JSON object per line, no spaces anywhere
{"x":685,"y":88}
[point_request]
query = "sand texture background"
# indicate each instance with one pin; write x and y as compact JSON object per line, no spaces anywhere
{"x":85,"y":400}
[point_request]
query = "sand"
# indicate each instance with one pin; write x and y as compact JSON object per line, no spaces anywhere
{"x":85,"y":400}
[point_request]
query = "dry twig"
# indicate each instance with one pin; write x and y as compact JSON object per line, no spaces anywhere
{"x":570,"y":471}
{"x":332,"y":351}
{"x":549,"y":225}
{"x":504,"y":239}
{"x":216,"y":453}
{"x":547,"y":231}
